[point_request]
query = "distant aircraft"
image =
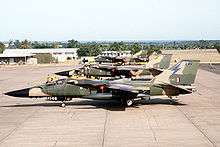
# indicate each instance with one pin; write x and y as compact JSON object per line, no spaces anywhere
{"x":176,"y":81}
{"x":106,"y":59}
{"x":139,"y":59}
{"x":159,"y":62}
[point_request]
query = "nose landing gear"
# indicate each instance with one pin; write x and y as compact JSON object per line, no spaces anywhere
{"x":63,"y":105}
{"x":63,"y":99}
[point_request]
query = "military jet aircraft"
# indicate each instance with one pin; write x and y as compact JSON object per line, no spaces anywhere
{"x":176,"y":81}
{"x":106,"y":59}
{"x":122,"y":60}
{"x":159,"y":62}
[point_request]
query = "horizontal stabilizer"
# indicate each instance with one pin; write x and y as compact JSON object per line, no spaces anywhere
{"x":173,"y":90}
{"x":155,"y":71}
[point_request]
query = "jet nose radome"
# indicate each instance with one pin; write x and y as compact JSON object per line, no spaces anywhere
{"x":19,"y":93}
{"x":63,"y":73}
{"x":28,"y":92}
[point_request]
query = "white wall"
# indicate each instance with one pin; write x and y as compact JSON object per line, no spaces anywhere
{"x":61,"y":54}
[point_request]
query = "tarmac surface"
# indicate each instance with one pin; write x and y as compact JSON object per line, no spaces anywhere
{"x":215,"y":68}
{"x":193,"y":121}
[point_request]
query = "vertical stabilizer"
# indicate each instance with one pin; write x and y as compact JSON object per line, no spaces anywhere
{"x":183,"y":73}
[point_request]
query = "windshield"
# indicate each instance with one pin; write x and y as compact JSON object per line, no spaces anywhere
{"x":58,"y":82}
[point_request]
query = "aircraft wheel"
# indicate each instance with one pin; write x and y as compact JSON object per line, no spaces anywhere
{"x":129,"y":102}
{"x":172,"y":102}
{"x":63,"y":105}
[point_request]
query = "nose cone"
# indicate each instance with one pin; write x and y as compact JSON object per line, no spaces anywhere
{"x":19,"y":93}
{"x":63,"y":73}
{"x":28,"y":92}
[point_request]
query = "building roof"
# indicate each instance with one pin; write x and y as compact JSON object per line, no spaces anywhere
{"x":15,"y":55}
{"x":36,"y":51}
{"x":190,"y":51}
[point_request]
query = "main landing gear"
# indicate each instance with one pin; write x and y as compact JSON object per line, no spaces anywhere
{"x":172,"y":101}
{"x":127,"y":102}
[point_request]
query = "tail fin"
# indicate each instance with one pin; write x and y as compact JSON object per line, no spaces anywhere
{"x":161,"y":61}
{"x":183,"y":73}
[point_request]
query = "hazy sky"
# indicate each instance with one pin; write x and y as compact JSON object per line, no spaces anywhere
{"x":109,"y":19}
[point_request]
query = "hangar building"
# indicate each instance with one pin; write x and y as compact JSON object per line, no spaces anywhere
{"x":13,"y":56}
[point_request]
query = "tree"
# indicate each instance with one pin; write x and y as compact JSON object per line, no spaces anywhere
{"x":13,"y":44}
{"x":152,"y":49}
{"x":217,"y":46}
{"x":118,"y":46}
{"x":55,"y":45}
{"x":94,"y":49}
{"x":2,"y":47}
{"x":25,"y":44}
{"x":17,"y":44}
{"x":134,"y":48}
{"x":73,"y":44}
{"x":83,"y":52}
{"x":37,"y":44}
{"x":90,"y":49}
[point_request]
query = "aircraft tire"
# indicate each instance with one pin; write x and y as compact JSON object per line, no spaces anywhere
{"x":129,"y":102}
{"x":63,"y":105}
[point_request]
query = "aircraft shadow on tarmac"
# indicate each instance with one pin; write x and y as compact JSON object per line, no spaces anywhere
{"x":98,"y":104}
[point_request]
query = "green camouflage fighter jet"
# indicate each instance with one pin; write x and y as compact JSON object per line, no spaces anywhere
{"x":176,"y":81}
{"x":160,"y":62}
